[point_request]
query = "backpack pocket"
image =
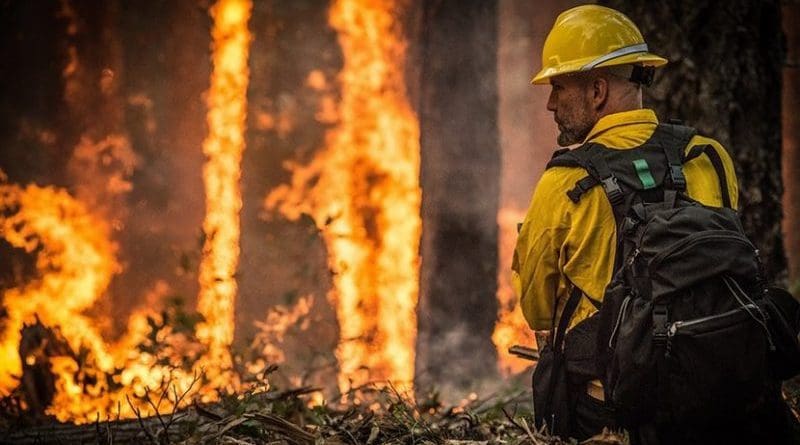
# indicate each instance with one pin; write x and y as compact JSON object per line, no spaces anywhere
{"x":715,"y":366}
{"x":783,"y":312}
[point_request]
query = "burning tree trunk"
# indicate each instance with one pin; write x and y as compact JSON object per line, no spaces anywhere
{"x":791,"y":139}
{"x":459,"y":176}
{"x":724,"y":78}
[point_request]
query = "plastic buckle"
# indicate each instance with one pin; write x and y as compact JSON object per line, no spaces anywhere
{"x":660,"y":321}
{"x":613,"y":191}
{"x":676,"y":175}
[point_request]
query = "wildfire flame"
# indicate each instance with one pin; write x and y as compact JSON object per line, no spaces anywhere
{"x":511,"y":328}
{"x":76,"y":260}
{"x":227,"y":102}
{"x":363,"y":192}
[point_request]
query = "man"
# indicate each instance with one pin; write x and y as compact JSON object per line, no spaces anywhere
{"x":596,"y":61}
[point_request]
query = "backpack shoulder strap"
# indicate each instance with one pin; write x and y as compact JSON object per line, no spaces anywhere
{"x":561,"y":158}
{"x":673,"y":139}
{"x":589,"y":157}
{"x":566,"y":315}
{"x":719,"y":169}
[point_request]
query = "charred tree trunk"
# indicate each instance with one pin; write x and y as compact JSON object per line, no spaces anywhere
{"x":460,"y":182}
{"x":724,"y":78}
{"x":791,"y":139}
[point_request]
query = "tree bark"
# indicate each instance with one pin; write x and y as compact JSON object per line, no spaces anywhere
{"x":791,"y":140}
{"x":724,"y":78}
{"x":460,"y":182}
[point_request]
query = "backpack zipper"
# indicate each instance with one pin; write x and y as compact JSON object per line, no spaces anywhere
{"x":620,"y":316}
{"x":695,"y":239}
{"x":675,"y":326}
{"x":624,"y":306}
{"x":632,"y":258}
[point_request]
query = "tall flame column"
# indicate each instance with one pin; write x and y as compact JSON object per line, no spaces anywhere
{"x":227,"y":101}
{"x":363,"y":192}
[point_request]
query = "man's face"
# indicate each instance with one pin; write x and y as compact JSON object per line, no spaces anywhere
{"x":571,"y":103}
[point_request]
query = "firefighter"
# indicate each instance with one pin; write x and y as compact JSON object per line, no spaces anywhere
{"x":596,"y":63}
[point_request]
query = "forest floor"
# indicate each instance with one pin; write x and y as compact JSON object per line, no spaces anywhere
{"x":278,"y":417}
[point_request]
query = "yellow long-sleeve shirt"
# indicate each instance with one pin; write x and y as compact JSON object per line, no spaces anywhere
{"x":561,"y":241}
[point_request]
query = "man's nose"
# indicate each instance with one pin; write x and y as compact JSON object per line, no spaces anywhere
{"x":551,"y":102}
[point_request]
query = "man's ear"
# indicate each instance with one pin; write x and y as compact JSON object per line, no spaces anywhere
{"x":599,"y":93}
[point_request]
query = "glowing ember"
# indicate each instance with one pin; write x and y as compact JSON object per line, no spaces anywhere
{"x":511,"y":327}
{"x":227,"y":103}
{"x":363,"y":192}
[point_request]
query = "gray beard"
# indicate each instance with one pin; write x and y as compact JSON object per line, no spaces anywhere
{"x":572,"y":137}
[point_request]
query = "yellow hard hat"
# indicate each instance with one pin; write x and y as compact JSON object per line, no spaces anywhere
{"x":591,"y":36}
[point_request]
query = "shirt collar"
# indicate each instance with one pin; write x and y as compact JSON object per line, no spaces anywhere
{"x":640,"y":116}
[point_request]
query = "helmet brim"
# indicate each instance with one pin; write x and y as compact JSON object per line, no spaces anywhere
{"x":644,"y":59}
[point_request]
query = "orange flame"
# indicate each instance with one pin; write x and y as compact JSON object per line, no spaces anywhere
{"x":363,"y":192}
{"x":227,"y":102}
{"x":511,"y":328}
{"x":273,"y":329}
{"x":76,"y":262}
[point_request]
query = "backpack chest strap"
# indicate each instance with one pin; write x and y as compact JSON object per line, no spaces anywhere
{"x":606,"y":178}
{"x":590,"y":158}
{"x":582,"y":186}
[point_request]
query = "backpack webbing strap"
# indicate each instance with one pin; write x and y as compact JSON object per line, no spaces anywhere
{"x":661,"y":351}
{"x":590,"y":158}
{"x":607,"y":179}
{"x":566,"y":315}
{"x":719,"y":168}
{"x":581,"y":187}
{"x":673,"y":139}
{"x":574,"y":158}
{"x":674,"y":154}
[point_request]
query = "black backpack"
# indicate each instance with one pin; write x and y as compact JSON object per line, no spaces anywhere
{"x":687,"y":331}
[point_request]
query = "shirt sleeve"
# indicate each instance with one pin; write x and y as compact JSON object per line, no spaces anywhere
{"x":535,"y":263}
{"x":561,"y":243}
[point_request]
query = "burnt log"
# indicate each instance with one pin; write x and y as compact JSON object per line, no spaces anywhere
{"x":37,"y":345}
